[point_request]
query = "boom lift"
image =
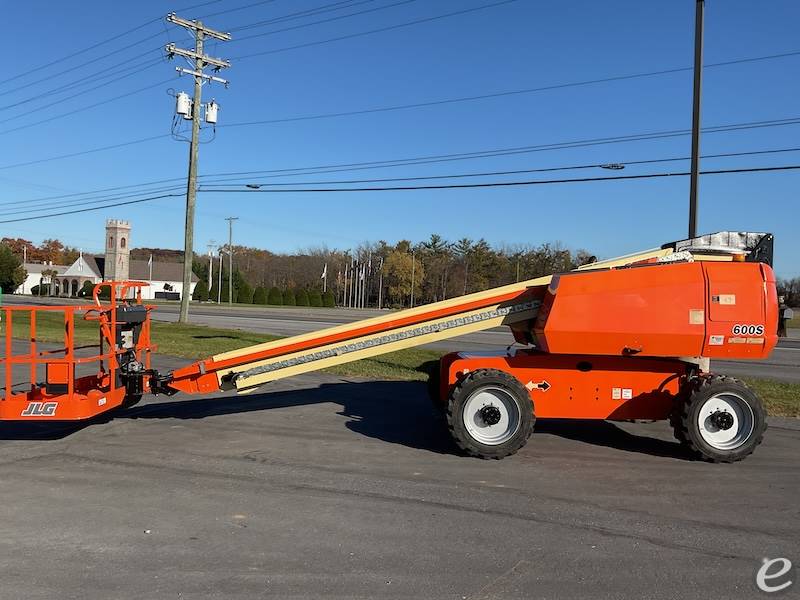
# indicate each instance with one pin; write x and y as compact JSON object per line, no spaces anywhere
{"x":622,"y":339}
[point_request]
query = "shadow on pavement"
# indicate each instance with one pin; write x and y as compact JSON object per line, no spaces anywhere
{"x":609,"y":435}
{"x":397,"y":412}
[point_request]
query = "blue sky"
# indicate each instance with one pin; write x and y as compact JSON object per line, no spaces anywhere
{"x":520,"y":44}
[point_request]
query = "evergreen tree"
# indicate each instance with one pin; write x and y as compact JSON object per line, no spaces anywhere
{"x":275,"y":297}
{"x":245,"y":293}
{"x":200,"y":291}
{"x":329,"y":299}
{"x":86,"y":290}
{"x":314,"y":298}
{"x":289,"y":298}
{"x":302,"y":297}
{"x":260,"y":295}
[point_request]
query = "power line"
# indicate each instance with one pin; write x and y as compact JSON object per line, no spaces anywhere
{"x":84,"y":152}
{"x":94,"y":46}
{"x":86,"y":80}
{"x":229,"y":10}
{"x":63,"y":72}
{"x":89,"y":201}
{"x":62,"y":202}
{"x":414,"y":188}
{"x":328,"y":20}
{"x":616,"y":164}
{"x":492,"y":184}
{"x":379,"y":30}
{"x":441,"y":157}
{"x":502,"y":94}
{"x":438,"y":158}
{"x":333,"y":6}
{"x":82,"y":210}
{"x":84,"y":108}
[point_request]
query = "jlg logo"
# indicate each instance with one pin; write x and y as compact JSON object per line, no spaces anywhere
{"x":40,"y":409}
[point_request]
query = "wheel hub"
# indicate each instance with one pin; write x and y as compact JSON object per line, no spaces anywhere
{"x":722,"y":420}
{"x":725,"y":421}
{"x":490,"y":414}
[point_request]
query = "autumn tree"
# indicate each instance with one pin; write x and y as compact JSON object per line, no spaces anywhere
{"x":399,"y":270}
{"x":12,"y":273}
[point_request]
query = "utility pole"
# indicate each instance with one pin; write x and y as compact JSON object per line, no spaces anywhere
{"x":230,"y":221}
{"x":696,"y":98}
{"x":200,"y":62}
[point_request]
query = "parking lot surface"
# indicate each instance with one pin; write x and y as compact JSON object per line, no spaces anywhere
{"x":321,"y":486}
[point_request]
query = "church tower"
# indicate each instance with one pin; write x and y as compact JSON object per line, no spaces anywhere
{"x":118,"y":250}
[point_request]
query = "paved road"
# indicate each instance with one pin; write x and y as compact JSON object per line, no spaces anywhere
{"x":783,"y":365}
{"x":343,"y":488}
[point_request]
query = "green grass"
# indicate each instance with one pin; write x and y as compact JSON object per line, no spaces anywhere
{"x":780,"y":399}
{"x":794,"y":322}
{"x":197,"y":341}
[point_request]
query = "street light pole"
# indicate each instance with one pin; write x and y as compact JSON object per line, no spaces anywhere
{"x":230,"y":221}
{"x":696,"y":98}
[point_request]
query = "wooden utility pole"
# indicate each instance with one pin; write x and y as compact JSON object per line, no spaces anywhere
{"x":200,"y":61}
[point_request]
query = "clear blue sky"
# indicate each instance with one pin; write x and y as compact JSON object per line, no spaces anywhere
{"x":522,"y":44}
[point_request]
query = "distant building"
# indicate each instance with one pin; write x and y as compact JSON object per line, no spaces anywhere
{"x":165,"y":279}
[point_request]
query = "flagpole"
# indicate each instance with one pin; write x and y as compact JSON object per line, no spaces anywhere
{"x":380,"y":284}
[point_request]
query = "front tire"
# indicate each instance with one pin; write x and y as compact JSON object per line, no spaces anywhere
{"x":722,"y":420}
{"x":490,"y":414}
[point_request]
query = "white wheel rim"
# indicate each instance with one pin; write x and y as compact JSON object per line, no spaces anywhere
{"x":496,"y":433}
{"x":740,"y":430}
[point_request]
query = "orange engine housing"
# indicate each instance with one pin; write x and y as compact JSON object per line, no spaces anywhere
{"x":709,"y":309}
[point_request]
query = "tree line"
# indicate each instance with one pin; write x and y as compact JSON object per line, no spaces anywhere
{"x":373,"y":274}
{"x":382,"y":274}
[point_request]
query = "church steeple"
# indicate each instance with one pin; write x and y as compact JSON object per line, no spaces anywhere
{"x":118,"y":250}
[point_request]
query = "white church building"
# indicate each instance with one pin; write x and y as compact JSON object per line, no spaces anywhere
{"x":165,"y":278}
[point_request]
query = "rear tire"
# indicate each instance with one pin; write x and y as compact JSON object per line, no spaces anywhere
{"x":722,"y":420}
{"x":490,"y":414}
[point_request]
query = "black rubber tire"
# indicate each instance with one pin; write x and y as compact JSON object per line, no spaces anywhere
{"x":470,"y":384}
{"x":685,"y":422}
{"x":131,"y":400}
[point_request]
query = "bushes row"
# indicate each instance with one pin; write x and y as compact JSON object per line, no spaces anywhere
{"x":244,"y":294}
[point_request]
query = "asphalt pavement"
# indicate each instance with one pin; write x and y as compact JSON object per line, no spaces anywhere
{"x":323,"y":486}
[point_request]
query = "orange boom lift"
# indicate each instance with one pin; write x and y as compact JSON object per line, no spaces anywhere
{"x":622,"y":339}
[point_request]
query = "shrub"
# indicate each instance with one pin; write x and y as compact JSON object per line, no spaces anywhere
{"x":86,"y":289}
{"x":245,"y":293}
{"x":200,"y":291}
{"x":315,"y":298}
{"x":275,"y":297}
{"x":328,"y":299}
{"x":288,"y":297}
{"x":302,"y":298}
{"x":260,"y":295}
